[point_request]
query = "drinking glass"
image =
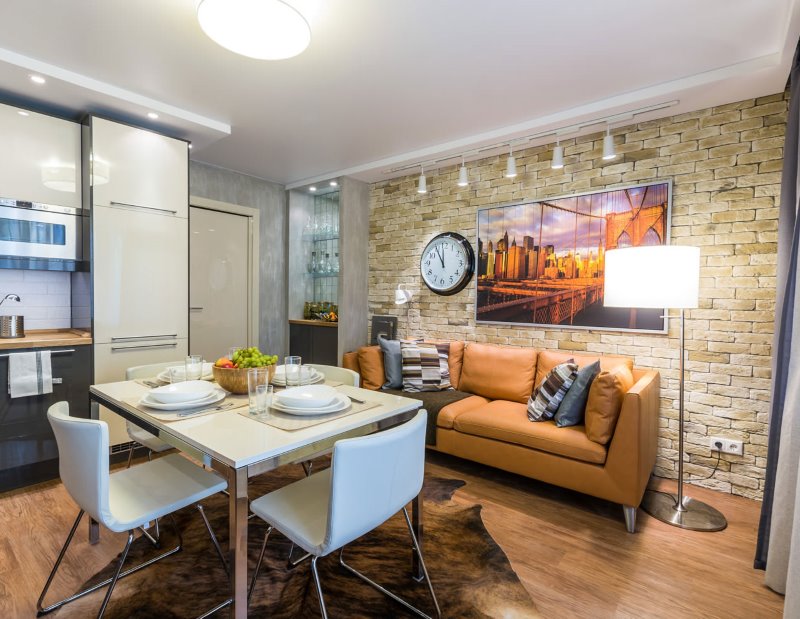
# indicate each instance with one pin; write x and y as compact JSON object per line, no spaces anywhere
{"x":292,"y":367}
{"x":259,"y":390}
{"x":177,"y":374}
{"x":193,"y":367}
{"x":232,"y":350}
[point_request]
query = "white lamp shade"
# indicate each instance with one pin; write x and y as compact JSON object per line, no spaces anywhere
{"x":660,"y":276}
{"x":402,"y":296}
{"x":609,"y":152}
{"x":463,"y":179}
{"x":558,"y":158}
{"x":511,"y":167}
{"x":422,"y":186}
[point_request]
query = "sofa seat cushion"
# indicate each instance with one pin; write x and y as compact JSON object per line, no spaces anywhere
{"x":434,"y":402}
{"x":508,"y":421}
{"x":448,"y":414}
{"x":548,"y":359}
{"x":498,"y":372}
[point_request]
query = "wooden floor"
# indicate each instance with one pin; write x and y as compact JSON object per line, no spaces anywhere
{"x":570,"y":551}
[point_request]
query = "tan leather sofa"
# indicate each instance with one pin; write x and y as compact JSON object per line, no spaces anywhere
{"x":490,"y":426}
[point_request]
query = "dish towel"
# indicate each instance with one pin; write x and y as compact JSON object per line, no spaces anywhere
{"x":29,"y":373}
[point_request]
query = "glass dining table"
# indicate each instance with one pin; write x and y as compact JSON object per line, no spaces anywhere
{"x":240,"y":447}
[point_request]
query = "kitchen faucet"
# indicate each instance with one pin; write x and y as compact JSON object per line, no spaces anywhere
{"x":13,"y":297}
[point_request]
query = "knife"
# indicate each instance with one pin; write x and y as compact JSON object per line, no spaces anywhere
{"x":221,"y":407}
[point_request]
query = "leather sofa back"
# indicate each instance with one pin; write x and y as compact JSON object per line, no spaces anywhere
{"x":548,"y":359}
{"x":498,"y":372}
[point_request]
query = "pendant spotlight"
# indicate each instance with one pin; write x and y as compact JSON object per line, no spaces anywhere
{"x":609,"y":152}
{"x":511,"y":163}
{"x":558,"y":156}
{"x":422,"y":185}
{"x":463,"y":179}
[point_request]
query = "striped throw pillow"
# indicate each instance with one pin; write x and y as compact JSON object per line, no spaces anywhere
{"x":544,"y":402}
{"x":425,"y":366}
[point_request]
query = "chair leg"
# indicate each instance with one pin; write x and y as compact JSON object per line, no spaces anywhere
{"x":214,"y":540}
{"x":389,"y":593}
{"x":154,"y":539}
{"x":258,"y":564}
{"x":130,"y":457}
{"x":319,"y":587}
{"x":115,"y":578}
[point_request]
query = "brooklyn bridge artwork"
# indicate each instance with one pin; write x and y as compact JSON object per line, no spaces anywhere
{"x":542,"y":263}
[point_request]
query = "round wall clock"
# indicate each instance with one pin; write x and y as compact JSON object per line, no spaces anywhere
{"x":447,"y":263}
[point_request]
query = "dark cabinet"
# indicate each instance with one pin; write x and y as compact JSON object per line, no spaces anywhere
{"x":314,"y":343}
{"x":28,"y":452}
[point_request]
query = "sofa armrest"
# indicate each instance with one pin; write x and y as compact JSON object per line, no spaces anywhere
{"x":632,"y":450}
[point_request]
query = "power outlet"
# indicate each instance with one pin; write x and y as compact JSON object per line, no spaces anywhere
{"x":726,"y":445}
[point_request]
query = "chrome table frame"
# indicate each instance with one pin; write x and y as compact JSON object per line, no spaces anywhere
{"x":238,"y":479}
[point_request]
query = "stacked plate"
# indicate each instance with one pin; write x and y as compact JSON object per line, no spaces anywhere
{"x":308,"y":376}
{"x":310,"y":400}
{"x":179,"y":396}
{"x":180,"y":373}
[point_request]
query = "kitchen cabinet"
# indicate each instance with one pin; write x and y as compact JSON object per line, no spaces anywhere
{"x":138,"y":168}
{"x":40,"y":158}
{"x":315,"y":343}
{"x":28,"y":451}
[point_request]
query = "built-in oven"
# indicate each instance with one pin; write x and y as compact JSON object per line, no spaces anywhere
{"x":39,"y":236}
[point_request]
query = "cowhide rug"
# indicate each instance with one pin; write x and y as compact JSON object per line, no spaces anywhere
{"x":471,"y":575}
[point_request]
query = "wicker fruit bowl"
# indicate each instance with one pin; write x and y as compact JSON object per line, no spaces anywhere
{"x":235,"y":379}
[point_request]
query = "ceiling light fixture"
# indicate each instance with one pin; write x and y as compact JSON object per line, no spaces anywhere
{"x":463,"y":178}
{"x":334,"y":184}
{"x":558,"y":156}
{"x":511,"y":164}
{"x":262,"y":29}
{"x":152,"y":115}
{"x":312,"y":188}
{"x":609,"y":152}
{"x":38,"y":79}
{"x":422,"y":185}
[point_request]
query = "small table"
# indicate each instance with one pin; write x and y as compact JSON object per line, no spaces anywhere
{"x":241,"y":448}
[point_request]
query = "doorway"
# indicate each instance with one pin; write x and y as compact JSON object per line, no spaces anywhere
{"x":223,"y":247}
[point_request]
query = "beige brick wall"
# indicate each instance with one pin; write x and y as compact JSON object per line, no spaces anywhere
{"x":725,"y":163}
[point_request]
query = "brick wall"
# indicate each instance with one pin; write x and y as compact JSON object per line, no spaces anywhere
{"x":725,"y":163}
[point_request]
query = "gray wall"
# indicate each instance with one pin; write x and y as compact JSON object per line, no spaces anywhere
{"x":214,"y":183}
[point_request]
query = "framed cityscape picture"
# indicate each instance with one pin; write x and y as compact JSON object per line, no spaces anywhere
{"x":542,"y":263}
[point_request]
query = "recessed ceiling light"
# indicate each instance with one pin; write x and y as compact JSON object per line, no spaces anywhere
{"x":262,"y":29}
{"x":22,"y":113}
{"x":312,"y":188}
{"x":190,"y":146}
{"x":38,"y":79}
{"x":152,"y":115}
{"x":334,"y":184}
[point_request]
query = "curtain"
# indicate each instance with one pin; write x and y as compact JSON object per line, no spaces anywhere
{"x":778,"y":547}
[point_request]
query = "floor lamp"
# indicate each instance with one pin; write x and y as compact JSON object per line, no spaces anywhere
{"x":663,"y":276}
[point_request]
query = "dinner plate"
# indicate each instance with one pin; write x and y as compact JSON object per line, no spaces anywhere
{"x":187,"y":391}
{"x":306,"y":372}
{"x":208,"y":373}
{"x":314,"y":381}
{"x":308,"y":396}
{"x":213,"y":397}
{"x":342,"y":402}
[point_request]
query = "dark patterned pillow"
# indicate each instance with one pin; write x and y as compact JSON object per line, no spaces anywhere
{"x":425,"y":366}
{"x":543,"y":404}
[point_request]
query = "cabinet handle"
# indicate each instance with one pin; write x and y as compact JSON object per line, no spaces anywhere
{"x":115,"y":348}
{"x":147,"y":208}
{"x":52,"y":352}
{"x":195,"y":308}
{"x":144,"y":337}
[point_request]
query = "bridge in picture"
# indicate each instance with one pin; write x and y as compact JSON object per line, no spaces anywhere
{"x":543,"y":301}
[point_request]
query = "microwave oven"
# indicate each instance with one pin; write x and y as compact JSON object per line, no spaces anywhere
{"x":39,"y":236}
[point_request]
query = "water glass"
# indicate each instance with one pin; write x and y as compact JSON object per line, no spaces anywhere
{"x":259,"y":390}
{"x":193,"y":367}
{"x":177,"y":374}
{"x":232,"y":350}
{"x":292,"y":367}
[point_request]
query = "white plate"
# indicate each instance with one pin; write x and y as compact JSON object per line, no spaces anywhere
{"x":186,"y":391}
{"x":213,"y":397}
{"x":313,"y":396}
{"x":208,"y":373}
{"x":282,"y":383}
{"x":342,"y":402}
{"x":307,"y":372}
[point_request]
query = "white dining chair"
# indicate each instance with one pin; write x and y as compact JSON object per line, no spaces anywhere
{"x":342,"y":375}
{"x":371,"y":478}
{"x":126,"y":500}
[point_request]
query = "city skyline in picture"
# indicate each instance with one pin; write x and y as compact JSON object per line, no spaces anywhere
{"x":543,"y":262}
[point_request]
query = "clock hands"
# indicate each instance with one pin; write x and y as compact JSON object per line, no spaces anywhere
{"x":441,"y":254}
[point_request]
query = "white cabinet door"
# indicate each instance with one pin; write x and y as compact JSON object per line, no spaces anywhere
{"x":141,"y":275}
{"x":40,"y":158}
{"x":138,"y":167}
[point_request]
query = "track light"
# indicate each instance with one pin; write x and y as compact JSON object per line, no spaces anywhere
{"x":609,"y":152}
{"x":558,"y":157}
{"x":463,"y":179}
{"x":422,"y":185}
{"x":511,"y":164}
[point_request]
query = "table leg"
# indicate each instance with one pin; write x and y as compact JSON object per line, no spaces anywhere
{"x":237,"y":512}
{"x":94,"y":531}
{"x":416,"y":524}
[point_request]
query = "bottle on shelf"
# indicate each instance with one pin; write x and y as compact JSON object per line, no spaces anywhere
{"x":335,"y":263}
{"x":312,"y":266}
{"x":327,"y":267}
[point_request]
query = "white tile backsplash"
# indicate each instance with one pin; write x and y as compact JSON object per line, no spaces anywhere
{"x":45,"y":297}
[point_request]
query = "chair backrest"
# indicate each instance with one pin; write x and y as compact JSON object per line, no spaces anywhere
{"x":83,"y":460}
{"x":372,"y":478}
{"x":148,"y":371}
{"x":342,"y":375}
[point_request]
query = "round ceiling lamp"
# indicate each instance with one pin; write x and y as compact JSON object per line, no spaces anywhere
{"x":262,"y":29}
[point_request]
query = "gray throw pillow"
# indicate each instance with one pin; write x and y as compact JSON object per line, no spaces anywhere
{"x":392,"y":363}
{"x":573,"y":406}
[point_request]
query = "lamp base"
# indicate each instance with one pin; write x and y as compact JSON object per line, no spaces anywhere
{"x":696,"y":516}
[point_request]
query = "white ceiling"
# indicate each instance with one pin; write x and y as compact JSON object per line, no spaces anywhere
{"x":386,"y":83}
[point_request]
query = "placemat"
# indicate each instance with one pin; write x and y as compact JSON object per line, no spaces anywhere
{"x":283,"y":421}
{"x":230,"y":402}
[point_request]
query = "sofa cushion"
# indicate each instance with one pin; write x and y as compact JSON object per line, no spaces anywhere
{"x":573,"y":407}
{"x":548,"y":396}
{"x":548,"y":359}
{"x":449,"y":413}
{"x":498,"y":372}
{"x":508,"y":422}
{"x":456,"y":361}
{"x":370,"y":365}
{"x":605,"y":402}
{"x":392,"y":363}
{"x":425,"y":366}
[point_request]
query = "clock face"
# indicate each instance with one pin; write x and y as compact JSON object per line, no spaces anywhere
{"x":447,"y":263}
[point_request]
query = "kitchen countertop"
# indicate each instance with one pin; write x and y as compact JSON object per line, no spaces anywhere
{"x":313,"y":323}
{"x":48,"y":338}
